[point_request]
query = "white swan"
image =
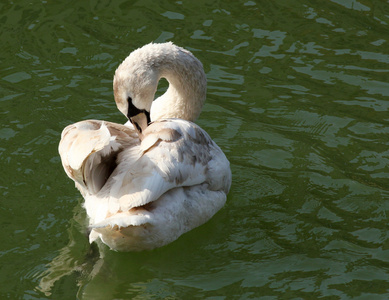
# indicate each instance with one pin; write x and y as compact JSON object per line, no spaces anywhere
{"x":145,"y":186}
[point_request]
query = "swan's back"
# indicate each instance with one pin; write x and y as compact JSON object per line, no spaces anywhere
{"x":174,"y":180}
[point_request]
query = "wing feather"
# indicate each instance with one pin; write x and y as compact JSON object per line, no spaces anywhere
{"x":116,"y":172}
{"x":173,"y":153}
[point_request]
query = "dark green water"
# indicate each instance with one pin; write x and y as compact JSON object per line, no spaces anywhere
{"x":298,"y":99}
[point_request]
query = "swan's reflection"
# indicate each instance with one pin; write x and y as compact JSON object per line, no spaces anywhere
{"x":100,"y":272}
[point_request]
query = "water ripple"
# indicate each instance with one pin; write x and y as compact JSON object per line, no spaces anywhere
{"x":297,"y":99}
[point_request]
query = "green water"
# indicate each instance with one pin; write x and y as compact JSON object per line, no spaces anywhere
{"x":298,"y":99}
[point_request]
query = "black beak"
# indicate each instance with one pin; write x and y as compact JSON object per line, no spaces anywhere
{"x":133,"y":111}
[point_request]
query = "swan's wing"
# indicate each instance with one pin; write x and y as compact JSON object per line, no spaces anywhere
{"x":89,"y":149}
{"x":173,"y":153}
{"x":116,"y":172}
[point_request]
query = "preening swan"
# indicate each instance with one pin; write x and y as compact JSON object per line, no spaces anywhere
{"x":160,"y":175}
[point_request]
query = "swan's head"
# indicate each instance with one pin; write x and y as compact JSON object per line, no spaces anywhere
{"x":136,"y":81}
{"x":134,"y":85}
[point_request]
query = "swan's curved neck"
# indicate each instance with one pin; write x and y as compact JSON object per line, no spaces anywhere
{"x":136,"y":80}
{"x":186,"y":93}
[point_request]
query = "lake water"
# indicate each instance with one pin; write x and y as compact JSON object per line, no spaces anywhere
{"x":298,"y":99}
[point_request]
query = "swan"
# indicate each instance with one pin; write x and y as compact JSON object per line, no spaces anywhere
{"x":147,"y":182}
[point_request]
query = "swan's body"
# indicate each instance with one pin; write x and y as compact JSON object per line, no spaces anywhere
{"x":145,"y":186}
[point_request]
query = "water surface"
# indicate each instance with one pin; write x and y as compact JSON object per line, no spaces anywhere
{"x":298,"y":99}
